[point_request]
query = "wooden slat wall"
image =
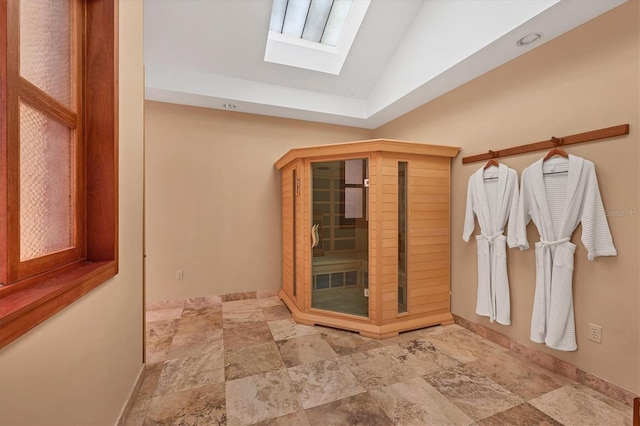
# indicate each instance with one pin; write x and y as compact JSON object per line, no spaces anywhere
{"x":428,"y":239}
{"x":287,"y":230}
{"x":429,"y":235}
{"x":389,"y":237}
{"x":304,"y":239}
{"x":288,"y":200}
{"x":374,"y":239}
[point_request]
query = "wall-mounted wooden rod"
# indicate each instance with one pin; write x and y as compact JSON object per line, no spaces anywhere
{"x":553,"y":142}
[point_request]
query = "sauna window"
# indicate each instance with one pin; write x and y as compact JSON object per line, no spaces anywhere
{"x":402,"y":236}
{"x":295,"y":186}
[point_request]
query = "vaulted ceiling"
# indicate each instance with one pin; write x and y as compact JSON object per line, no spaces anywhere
{"x":211,"y":53}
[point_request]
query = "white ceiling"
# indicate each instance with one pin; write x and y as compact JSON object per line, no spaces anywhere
{"x":211,"y":52}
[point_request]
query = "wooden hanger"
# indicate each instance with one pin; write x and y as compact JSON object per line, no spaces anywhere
{"x":556,"y":151}
{"x":491,"y":162}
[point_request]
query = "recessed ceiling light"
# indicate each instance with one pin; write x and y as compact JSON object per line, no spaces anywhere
{"x":230,"y":107}
{"x":529,"y":39}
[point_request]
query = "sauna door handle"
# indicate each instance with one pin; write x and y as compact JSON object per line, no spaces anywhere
{"x":314,"y":236}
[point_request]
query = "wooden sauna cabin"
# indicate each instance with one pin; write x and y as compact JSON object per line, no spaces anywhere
{"x":366,"y":235}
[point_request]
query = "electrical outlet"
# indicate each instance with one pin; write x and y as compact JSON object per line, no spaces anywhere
{"x":595,"y":333}
{"x":179,"y":275}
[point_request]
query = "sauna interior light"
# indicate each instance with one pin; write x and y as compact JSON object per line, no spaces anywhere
{"x":529,"y":39}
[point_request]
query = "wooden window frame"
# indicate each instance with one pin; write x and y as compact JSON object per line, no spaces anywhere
{"x":29,"y":301}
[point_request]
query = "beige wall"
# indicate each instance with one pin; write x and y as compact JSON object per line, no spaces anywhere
{"x":584,"y":80}
{"x":213,"y":197}
{"x":79,"y":366}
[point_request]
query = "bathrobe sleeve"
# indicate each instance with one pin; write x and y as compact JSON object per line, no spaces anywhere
{"x":469,"y":222}
{"x":596,"y":235}
{"x":513,"y":211}
{"x":523,"y":216}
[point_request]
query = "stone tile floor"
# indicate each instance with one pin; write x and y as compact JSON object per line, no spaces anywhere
{"x":243,"y":362}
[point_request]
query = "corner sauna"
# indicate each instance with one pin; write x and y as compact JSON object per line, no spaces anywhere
{"x":366,"y":235}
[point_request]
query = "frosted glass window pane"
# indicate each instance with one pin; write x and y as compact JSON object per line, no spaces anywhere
{"x":352,"y":203}
{"x":277,"y":15}
{"x":353,"y":172}
{"x":316,"y":20}
{"x":295,"y":17}
{"x":335,"y":23}
{"x":46,"y":185}
{"x":45,"y":46}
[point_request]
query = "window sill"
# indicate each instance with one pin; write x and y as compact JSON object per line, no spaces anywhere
{"x":25,"y":305}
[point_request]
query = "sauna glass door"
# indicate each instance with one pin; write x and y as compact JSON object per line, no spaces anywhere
{"x":340,"y":236}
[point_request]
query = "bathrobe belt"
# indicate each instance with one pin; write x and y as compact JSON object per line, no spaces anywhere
{"x":492,"y":268}
{"x":547,"y":267}
{"x":491,"y":238}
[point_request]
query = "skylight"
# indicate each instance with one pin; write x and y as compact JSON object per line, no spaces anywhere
{"x":319,"y":21}
{"x":313,"y":34}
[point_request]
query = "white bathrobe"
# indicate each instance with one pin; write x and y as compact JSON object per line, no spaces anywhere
{"x":557,"y":201}
{"x":494,"y":201}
